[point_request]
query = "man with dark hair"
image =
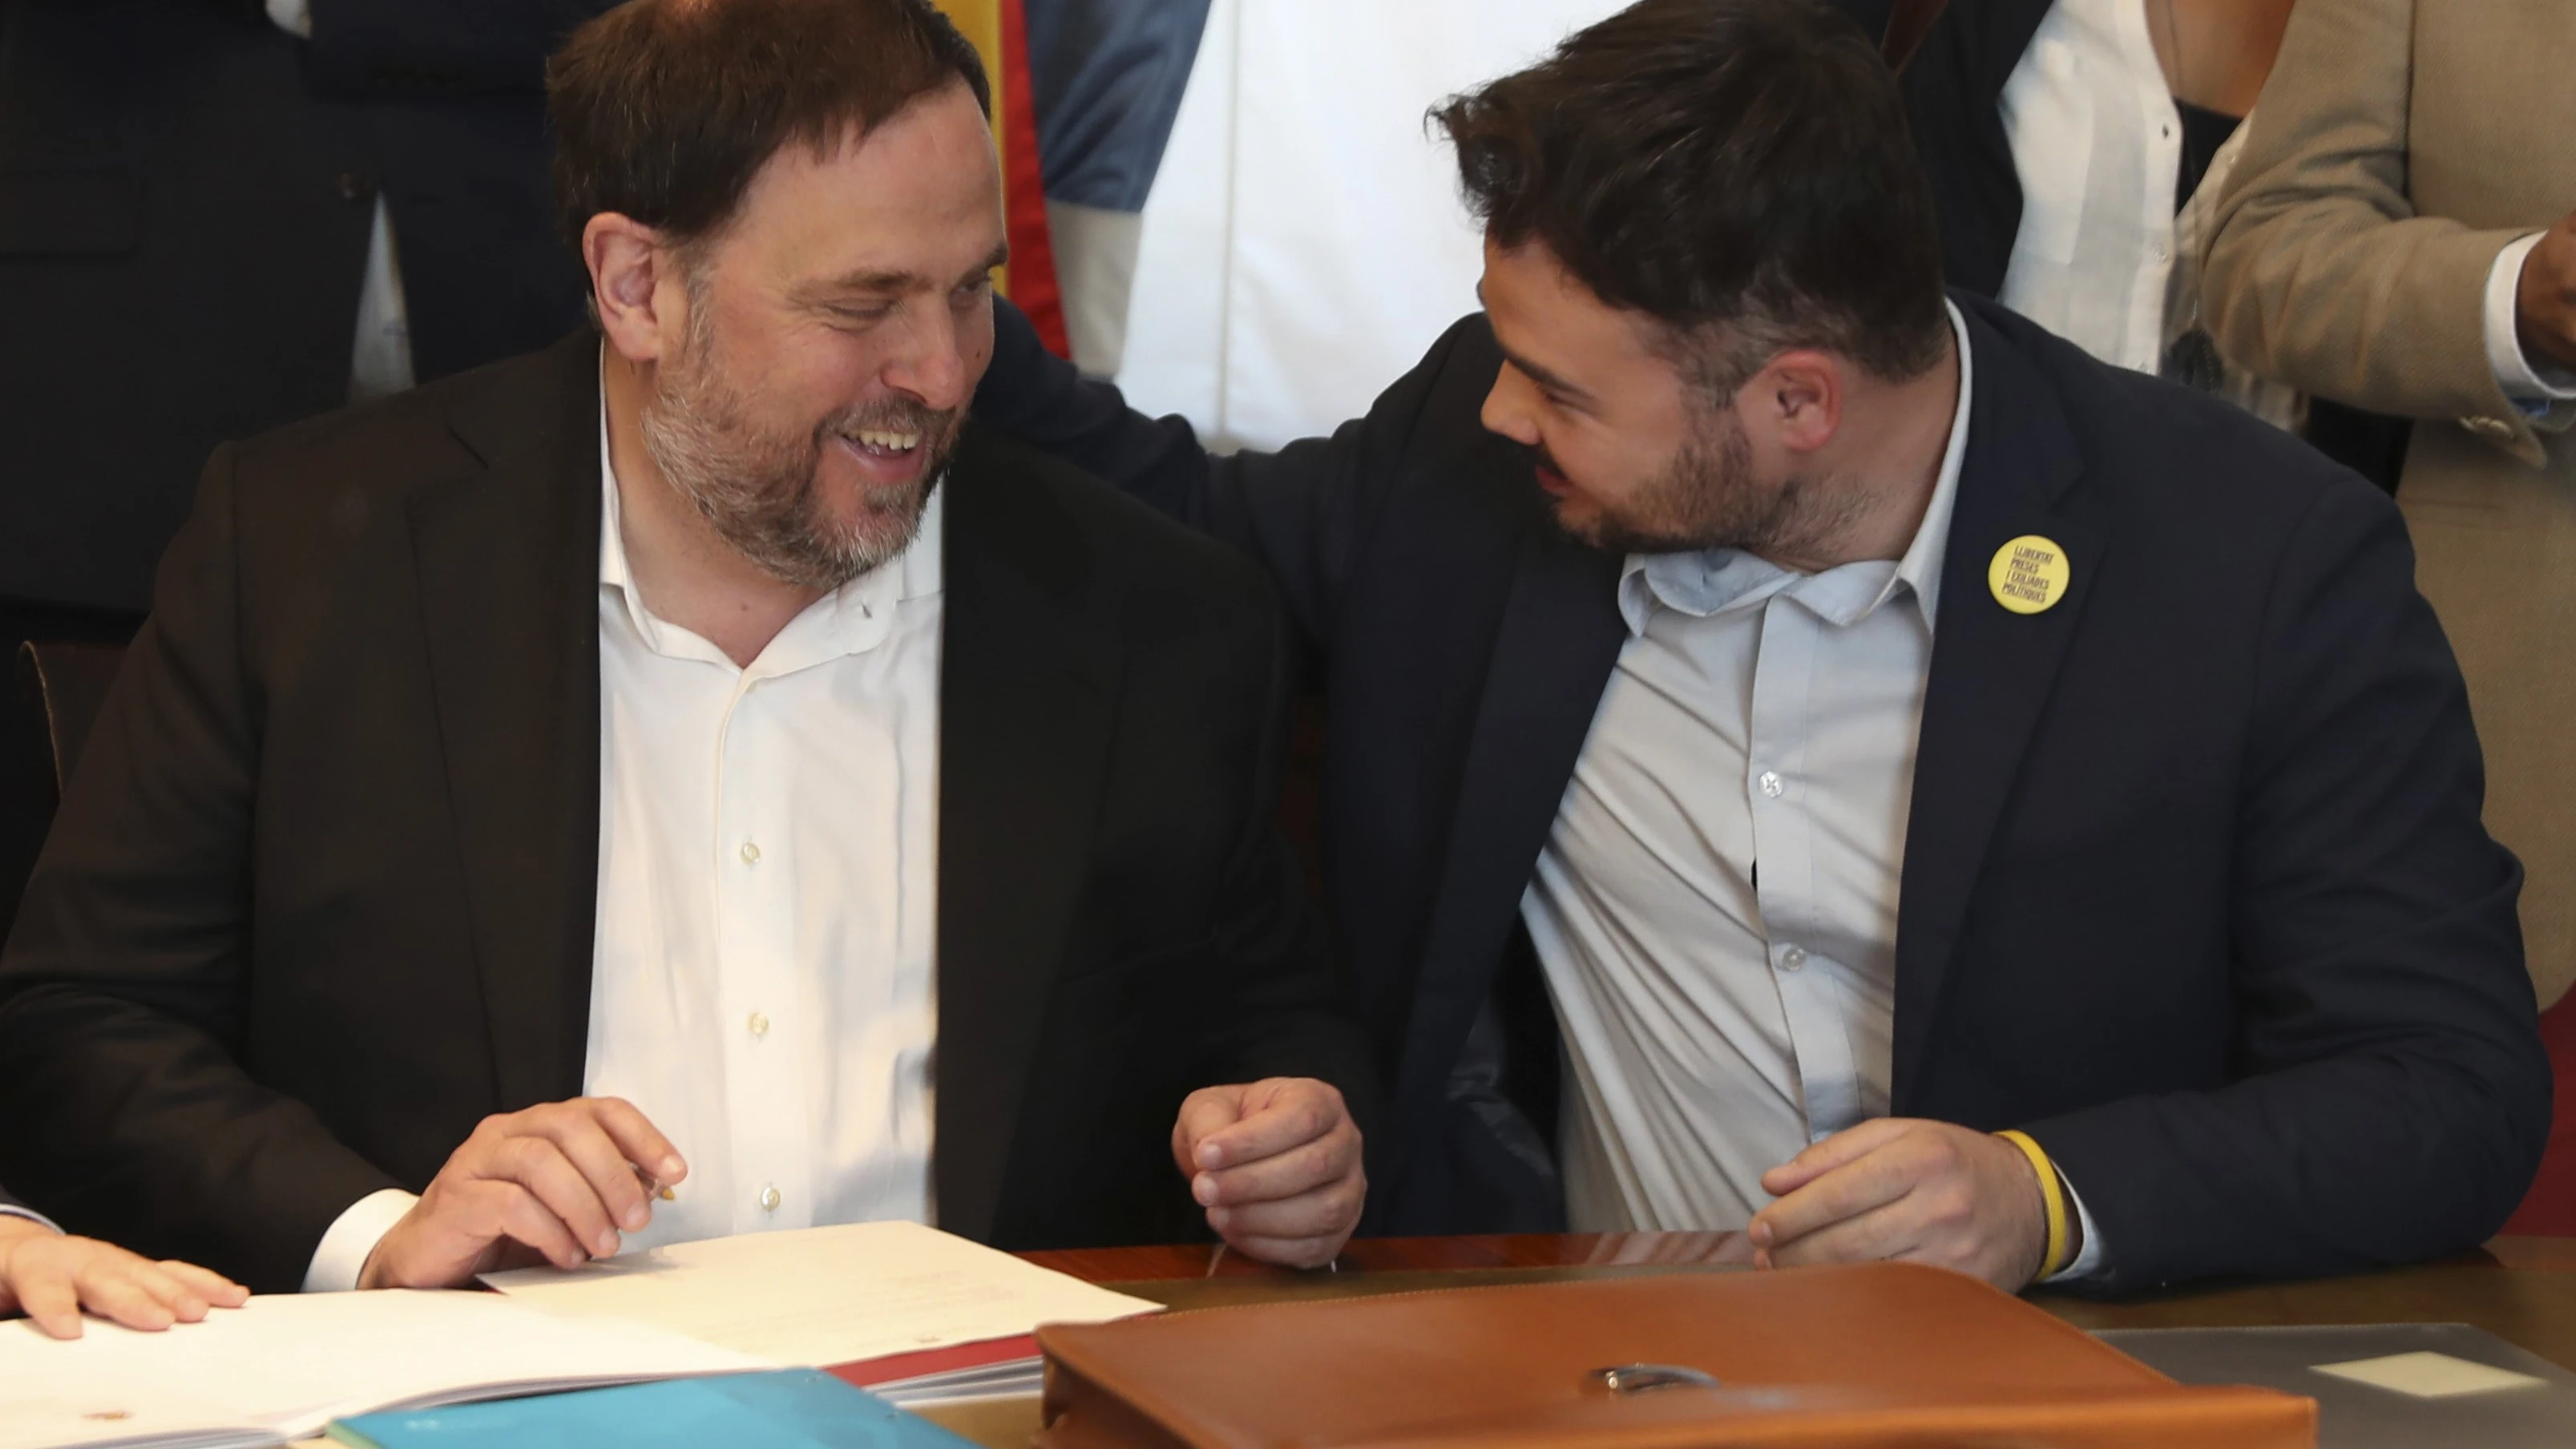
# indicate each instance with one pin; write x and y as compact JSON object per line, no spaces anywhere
{"x":1938,"y":796}
{"x":692,"y":768}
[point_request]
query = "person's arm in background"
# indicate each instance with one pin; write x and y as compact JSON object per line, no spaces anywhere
{"x":2321,"y":274}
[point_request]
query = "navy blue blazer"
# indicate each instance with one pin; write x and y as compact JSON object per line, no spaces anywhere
{"x":2195,"y":887}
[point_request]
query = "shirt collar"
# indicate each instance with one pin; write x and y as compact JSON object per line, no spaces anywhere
{"x":1715,"y":581}
{"x":851,"y":619}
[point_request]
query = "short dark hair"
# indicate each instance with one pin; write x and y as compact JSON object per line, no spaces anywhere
{"x":664,"y":110}
{"x":1743,"y":163}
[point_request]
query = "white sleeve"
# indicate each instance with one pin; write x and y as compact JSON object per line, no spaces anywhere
{"x":342,"y":1254}
{"x":12,"y":1210}
{"x":2090,"y":1258}
{"x":2523,"y":380}
{"x":295,"y":17}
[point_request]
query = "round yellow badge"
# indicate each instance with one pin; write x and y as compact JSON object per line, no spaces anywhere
{"x":2029,"y":574}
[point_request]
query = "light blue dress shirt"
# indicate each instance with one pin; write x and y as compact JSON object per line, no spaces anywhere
{"x":1715,"y":908}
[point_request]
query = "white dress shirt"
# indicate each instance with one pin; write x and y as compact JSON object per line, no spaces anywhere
{"x":2537,"y":388}
{"x":1715,"y":909}
{"x":762,"y":984}
{"x":2097,"y":144}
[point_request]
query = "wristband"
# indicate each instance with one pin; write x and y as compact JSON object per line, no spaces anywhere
{"x":2053,"y":1261}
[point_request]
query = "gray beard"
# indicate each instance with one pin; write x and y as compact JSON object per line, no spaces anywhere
{"x":759,"y":489}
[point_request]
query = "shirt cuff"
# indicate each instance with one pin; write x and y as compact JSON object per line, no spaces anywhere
{"x":2089,"y":1259}
{"x":12,"y":1210}
{"x":2528,"y":383}
{"x":344,"y":1250}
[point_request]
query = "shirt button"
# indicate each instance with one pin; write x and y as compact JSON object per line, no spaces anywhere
{"x":750,"y":853}
{"x":759,"y":1024}
{"x":1792,"y":959}
{"x":1771,"y":784}
{"x":769,"y":1199}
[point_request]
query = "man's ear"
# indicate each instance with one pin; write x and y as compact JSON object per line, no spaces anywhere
{"x":1799,"y":398}
{"x":636,"y":286}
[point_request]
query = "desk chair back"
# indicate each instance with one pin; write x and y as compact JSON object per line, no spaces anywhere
{"x":57,"y":692}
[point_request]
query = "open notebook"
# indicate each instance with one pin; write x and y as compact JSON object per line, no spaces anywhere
{"x":280,"y":1368}
{"x":914,"y":1315}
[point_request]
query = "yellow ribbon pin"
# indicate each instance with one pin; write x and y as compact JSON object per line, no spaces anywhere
{"x":2029,"y":574}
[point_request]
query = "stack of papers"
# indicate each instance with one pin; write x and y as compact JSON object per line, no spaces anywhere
{"x":999,"y":1369}
{"x":915,"y":1315}
{"x":280,"y":1368}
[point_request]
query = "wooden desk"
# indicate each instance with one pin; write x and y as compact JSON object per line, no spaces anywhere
{"x":2522,"y":1290}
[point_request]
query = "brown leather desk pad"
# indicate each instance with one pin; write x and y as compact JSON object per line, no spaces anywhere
{"x":2523,"y":1290}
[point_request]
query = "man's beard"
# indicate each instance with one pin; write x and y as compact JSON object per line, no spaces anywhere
{"x":760,"y":487}
{"x":1709,"y":497}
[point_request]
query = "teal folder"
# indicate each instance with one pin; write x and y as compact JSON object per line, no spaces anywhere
{"x":790,"y":1409}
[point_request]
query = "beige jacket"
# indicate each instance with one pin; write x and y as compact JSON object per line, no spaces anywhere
{"x":2399,"y":147}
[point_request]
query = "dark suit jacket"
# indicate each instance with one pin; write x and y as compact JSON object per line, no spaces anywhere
{"x":321,"y":893}
{"x":2194,"y":890}
{"x":185,"y":199}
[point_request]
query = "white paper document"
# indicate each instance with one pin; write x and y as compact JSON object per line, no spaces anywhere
{"x":282,"y":1367}
{"x":817,"y":1297}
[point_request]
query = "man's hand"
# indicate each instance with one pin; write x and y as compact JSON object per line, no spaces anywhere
{"x":1277,"y":1166}
{"x":559,"y":1180}
{"x":52,"y":1278}
{"x":2547,"y":311}
{"x":1923,"y":1192}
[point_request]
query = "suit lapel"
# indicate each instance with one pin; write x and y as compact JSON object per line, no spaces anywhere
{"x":1558,"y":639}
{"x":509,"y":570}
{"x":1027,"y":694}
{"x":1992,"y":669}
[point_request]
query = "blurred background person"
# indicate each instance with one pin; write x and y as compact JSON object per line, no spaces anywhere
{"x":2064,"y":136}
{"x":1296,"y":256}
{"x":1106,"y":79}
{"x":2077,"y":148}
{"x":2398,"y":237}
{"x":217,"y":216}
{"x":1303,"y":242}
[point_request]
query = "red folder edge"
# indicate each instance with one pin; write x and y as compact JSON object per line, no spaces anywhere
{"x":897,"y":1367}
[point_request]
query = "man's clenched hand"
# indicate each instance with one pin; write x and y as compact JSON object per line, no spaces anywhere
{"x":1277,"y":1166}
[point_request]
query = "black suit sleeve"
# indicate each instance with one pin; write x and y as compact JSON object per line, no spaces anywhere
{"x":433,"y":47}
{"x":1286,"y":1011}
{"x":2393,"y":1097}
{"x":130,"y":1116}
{"x":1305,"y":512}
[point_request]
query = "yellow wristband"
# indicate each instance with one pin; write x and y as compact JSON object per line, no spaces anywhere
{"x":2053,"y":1262}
